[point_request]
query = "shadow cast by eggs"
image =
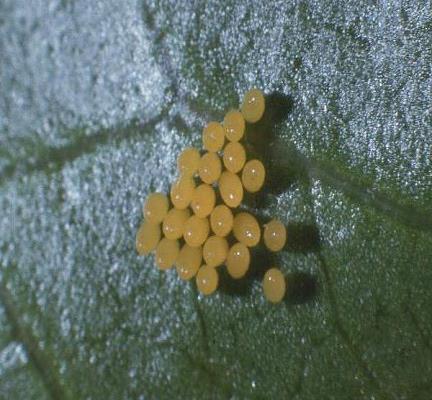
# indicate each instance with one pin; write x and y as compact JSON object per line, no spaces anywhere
{"x":278,"y":107}
{"x":233,"y":287}
{"x":283,"y":166}
{"x":301,"y":288}
{"x":261,"y":261}
{"x":261,"y":134}
{"x":302,"y":238}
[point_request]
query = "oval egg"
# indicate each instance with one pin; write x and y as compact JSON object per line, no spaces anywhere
{"x":246,"y":229}
{"x":253,"y":176}
{"x":147,"y":237}
{"x":231,"y":189}
{"x":207,"y":280}
{"x":274,"y":285}
{"x":196,"y":231}
{"x":253,"y":105}
{"x":188,"y":262}
{"x":174,"y":222}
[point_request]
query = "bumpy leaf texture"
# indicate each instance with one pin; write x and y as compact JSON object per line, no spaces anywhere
{"x":98,"y":98}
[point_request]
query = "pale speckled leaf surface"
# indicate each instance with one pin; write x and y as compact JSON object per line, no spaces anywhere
{"x":97,"y":101}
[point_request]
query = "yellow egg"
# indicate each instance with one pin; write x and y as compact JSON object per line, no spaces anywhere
{"x":253,"y":105}
{"x":147,"y":237}
{"x":174,"y":222}
{"x":274,"y":285}
{"x":188,"y":160}
{"x":274,"y":235}
{"x":231,"y":189}
{"x":234,"y":125}
{"x":210,"y":168}
{"x":196,"y":231}
{"x":207,"y":280}
{"x":182,"y":191}
{"x":221,"y":220}
{"x":213,"y":137}
{"x":188,"y":262}
{"x":246,"y":229}
{"x":234,"y":157}
{"x":155,"y":208}
{"x":238,"y":260}
{"x":253,"y":176}
{"x":203,"y":200}
{"x":166,"y":253}
{"x":215,"y":251}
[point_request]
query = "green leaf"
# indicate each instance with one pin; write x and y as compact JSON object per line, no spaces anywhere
{"x":97,"y":103}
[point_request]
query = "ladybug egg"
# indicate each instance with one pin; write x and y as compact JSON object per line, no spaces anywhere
{"x":238,"y":260}
{"x":246,"y":229}
{"x":253,"y":105}
{"x":207,"y":280}
{"x":182,"y":191}
{"x":188,"y":160}
{"x":231,"y":189}
{"x":274,"y":235}
{"x":203,"y":200}
{"x":274,"y":285}
{"x":196,"y":231}
{"x":188,"y":262}
{"x":213,"y":137}
{"x":234,"y":157}
{"x":174,"y":222}
{"x":210,"y":168}
{"x":234,"y":125}
{"x":166,"y":253}
{"x":253,"y":176}
{"x":221,"y":220}
{"x":147,"y":237}
{"x":215,"y":251}
{"x":155,"y":208}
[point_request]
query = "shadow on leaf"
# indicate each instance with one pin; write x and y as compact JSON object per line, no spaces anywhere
{"x":262,"y":144}
{"x":301,"y":288}
{"x":302,"y":238}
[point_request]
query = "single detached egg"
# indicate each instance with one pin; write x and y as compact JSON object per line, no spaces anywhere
{"x":238,"y":260}
{"x":274,"y":285}
{"x":188,"y":160}
{"x":155,"y":208}
{"x":203,"y":200}
{"x":253,"y":176}
{"x":207,"y":280}
{"x":246,"y":229}
{"x":274,"y":235}
{"x":210,"y":168}
{"x":182,"y":191}
{"x":221,"y":220}
{"x":188,"y":262}
{"x":234,"y":125}
{"x":234,"y":157}
{"x":231,"y":189}
{"x":174,"y":222}
{"x":213,"y":137}
{"x":215,"y":251}
{"x":166,"y":253}
{"x":253,"y":105}
{"x":196,"y":231}
{"x":147,"y":237}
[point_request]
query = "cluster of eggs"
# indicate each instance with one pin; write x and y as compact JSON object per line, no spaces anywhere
{"x":195,"y":229}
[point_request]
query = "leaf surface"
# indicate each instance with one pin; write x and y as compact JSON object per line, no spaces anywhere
{"x":96,"y":104}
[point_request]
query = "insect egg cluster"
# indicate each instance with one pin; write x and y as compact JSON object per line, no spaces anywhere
{"x":197,"y":228}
